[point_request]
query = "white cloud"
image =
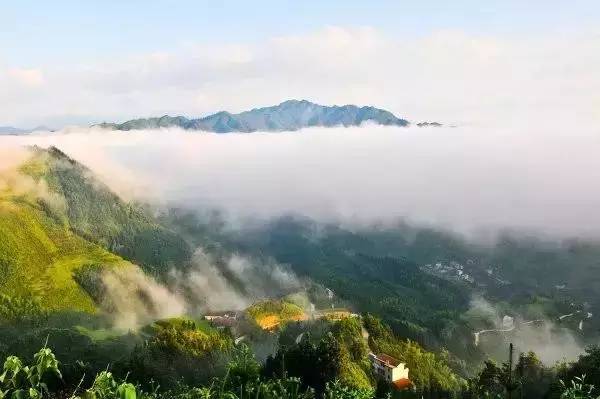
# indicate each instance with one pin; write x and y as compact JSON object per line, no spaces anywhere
{"x":29,"y":78}
{"x":538,"y":177}
{"x":449,"y":76}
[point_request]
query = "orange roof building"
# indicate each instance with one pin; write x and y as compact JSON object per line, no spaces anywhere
{"x":402,"y":383}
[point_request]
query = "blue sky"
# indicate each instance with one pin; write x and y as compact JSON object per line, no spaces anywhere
{"x":462,"y":61}
{"x":38,"y":32}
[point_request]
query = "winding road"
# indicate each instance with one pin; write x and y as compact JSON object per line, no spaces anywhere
{"x":503,"y":330}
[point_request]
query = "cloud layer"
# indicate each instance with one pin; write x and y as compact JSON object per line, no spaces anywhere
{"x":449,"y":76}
{"x":541,"y":178}
{"x":134,"y":299}
{"x":552,"y":343}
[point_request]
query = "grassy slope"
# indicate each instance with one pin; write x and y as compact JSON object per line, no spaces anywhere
{"x":64,"y":220}
{"x":271,"y":313}
{"x":97,"y":214}
{"x":39,"y":256}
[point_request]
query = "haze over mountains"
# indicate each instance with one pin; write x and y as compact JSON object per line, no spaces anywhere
{"x":299,"y":201}
{"x":288,"y":116}
{"x":133,"y":229}
{"x":10,"y":130}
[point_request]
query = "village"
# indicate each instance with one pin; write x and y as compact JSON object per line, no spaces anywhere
{"x":383,"y":366}
{"x":469,"y":273}
{"x":451,"y":270}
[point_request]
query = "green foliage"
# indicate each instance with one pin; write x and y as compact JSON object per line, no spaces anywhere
{"x":369,"y":269}
{"x":587,"y":364}
{"x":38,"y":258}
{"x":285,"y":388}
{"x":106,"y":387}
{"x":56,"y":237}
{"x":21,"y":310}
{"x":355,"y":368}
{"x":578,"y":389}
{"x":180,"y":350}
{"x":339,"y":353}
{"x":533,"y":377}
{"x":377,"y":269}
{"x":427,"y":370}
{"x":100,"y":216}
{"x":316,"y":364}
{"x":336,"y":390}
{"x":186,"y":337}
{"x":54,"y":250}
{"x":281,"y":309}
{"x":28,"y":382}
{"x":243,"y":367}
{"x":18,"y":381}
{"x":288,"y":388}
{"x":490,"y":381}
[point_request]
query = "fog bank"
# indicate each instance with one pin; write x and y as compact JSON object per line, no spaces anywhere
{"x":551,"y":342}
{"x":540,"y":178}
{"x":133,"y":299}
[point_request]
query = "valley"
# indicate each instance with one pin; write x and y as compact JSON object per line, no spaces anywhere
{"x":299,"y":200}
{"x":150,"y":290}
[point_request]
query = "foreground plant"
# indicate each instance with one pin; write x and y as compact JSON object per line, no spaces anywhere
{"x":106,"y":387}
{"x":578,"y":389}
{"x":18,"y":381}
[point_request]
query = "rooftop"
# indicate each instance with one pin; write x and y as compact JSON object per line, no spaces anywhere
{"x":388,"y":360}
{"x":402,"y":383}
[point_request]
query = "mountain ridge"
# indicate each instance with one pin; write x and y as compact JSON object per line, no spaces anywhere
{"x":15,"y":131}
{"x":65,"y":228}
{"x":289,"y":115}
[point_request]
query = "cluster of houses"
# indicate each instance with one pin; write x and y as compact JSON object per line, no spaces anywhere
{"x":456,"y":271}
{"x":451,"y":270}
{"x":225,"y":319}
{"x":384,"y":366}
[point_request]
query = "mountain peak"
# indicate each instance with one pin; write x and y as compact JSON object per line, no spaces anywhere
{"x":296,"y":102}
{"x":289,"y":115}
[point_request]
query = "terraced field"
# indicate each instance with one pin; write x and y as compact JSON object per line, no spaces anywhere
{"x":270,"y":314}
{"x":49,"y":231}
{"x":39,"y":257}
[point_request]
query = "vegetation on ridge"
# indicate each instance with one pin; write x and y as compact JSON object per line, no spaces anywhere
{"x":57,"y":221}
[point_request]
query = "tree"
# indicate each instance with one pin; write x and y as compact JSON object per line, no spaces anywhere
{"x":243,"y":367}
{"x":336,"y":390}
{"x":329,"y":358}
{"x":534,"y":379}
{"x":489,"y":382}
{"x":588,"y":364}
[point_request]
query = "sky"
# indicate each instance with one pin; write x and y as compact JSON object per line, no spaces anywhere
{"x":73,"y":62}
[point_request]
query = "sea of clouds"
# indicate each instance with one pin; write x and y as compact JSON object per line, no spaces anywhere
{"x":540,"y":179}
{"x":532,"y":178}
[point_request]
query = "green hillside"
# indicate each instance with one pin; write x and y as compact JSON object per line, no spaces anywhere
{"x":270,"y":314}
{"x":38,"y":257}
{"x":97,"y":214}
{"x":57,"y":219}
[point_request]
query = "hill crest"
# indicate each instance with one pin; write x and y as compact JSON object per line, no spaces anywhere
{"x":289,"y":115}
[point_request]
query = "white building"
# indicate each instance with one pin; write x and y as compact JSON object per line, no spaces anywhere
{"x":508,"y":323}
{"x":389,"y":369}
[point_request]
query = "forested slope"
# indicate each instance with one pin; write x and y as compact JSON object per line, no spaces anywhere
{"x":57,"y":219}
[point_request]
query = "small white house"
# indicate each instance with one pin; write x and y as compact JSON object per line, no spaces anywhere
{"x":388,"y":368}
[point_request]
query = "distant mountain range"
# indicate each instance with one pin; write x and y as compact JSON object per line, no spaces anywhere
{"x":289,"y":115}
{"x":9,"y":130}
